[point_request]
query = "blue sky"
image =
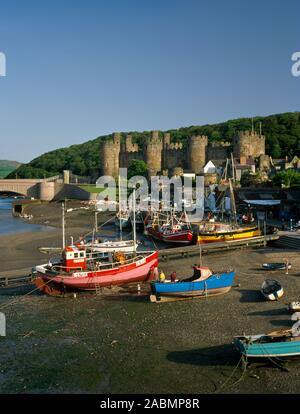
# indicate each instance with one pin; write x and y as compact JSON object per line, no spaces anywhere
{"x":80,"y":69}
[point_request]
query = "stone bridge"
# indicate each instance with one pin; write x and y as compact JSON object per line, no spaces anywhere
{"x":25,"y":187}
{"x":47,"y":189}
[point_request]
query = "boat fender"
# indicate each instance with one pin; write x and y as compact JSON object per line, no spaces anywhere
{"x":295,"y":316}
{"x":296,"y":329}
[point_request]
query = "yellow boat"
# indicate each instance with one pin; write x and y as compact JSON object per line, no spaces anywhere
{"x":220,"y":232}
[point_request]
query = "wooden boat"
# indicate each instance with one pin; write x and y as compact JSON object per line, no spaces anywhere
{"x":276,"y":266}
{"x":277,"y":344}
{"x":112,"y":246}
{"x":77,"y":270}
{"x":172,"y":230}
{"x":272,"y":289}
{"x":221,"y":232}
{"x":202,"y":283}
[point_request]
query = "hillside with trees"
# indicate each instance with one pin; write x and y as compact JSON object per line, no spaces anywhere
{"x":282,"y":133}
{"x":6,"y":167}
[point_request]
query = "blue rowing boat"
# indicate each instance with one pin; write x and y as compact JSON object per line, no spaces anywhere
{"x":278,"y":344}
{"x":202,"y":283}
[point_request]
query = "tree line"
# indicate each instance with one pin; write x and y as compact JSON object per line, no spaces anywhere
{"x":282,"y":133}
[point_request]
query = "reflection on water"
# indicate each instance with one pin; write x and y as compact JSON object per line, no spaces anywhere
{"x":10,"y":224}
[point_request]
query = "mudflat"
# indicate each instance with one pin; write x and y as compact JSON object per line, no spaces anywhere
{"x":119,"y":342}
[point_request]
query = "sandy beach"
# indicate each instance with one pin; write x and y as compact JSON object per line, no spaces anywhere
{"x":122,"y":343}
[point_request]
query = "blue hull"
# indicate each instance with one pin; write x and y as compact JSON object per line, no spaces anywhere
{"x":288,"y":348}
{"x":214,"y":285}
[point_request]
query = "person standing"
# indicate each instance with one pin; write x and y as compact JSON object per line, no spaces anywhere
{"x":162,"y":277}
{"x":173,"y":277}
{"x":286,"y":266}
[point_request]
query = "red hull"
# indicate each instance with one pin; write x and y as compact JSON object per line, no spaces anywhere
{"x":138,"y":271}
{"x":181,"y":237}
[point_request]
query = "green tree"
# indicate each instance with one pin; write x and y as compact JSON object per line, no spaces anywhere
{"x":288,"y":178}
{"x":276,"y":151}
{"x":282,"y":133}
{"x":137,"y":167}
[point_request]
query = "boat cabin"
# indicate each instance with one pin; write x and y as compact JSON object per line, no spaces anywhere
{"x":200,"y":273}
{"x":74,"y":258}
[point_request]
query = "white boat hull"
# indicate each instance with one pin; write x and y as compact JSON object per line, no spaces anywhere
{"x":111,"y":247}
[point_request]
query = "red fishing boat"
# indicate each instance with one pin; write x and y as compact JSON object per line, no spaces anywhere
{"x":172,"y":230}
{"x":79,"y":270}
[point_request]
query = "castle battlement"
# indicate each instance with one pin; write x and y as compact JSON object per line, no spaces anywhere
{"x":248,"y":144}
{"x":129,"y":145}
{"x":116,"y":138}
{"x":249,"y":134}
{"x":218,"y":144}
{"x":201,"y":139}
{"x":174,"y":146}
{"x":160,"y":154}
{"x":155,"y":138}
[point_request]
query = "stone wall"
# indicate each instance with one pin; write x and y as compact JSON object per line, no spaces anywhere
{"x":248,"y":144}
{"x":160,"y":154}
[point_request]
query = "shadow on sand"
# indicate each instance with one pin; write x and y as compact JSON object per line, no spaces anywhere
{"x":250,"y":295}
{"x":270,"y":312}
{"x":282,"y":323}
{"x":18,"y":290}
{"x":212,"y":356}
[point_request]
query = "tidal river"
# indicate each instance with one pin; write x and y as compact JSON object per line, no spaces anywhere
{"x":10,"y":224}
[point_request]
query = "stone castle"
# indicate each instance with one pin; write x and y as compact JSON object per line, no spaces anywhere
{"x":165,"y":157}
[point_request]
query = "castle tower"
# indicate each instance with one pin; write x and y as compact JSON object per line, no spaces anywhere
{"x":197,"y":153}
{"x":167,"y":139}
{"x":128,"y":143}
{"x":110,"y":153}
{"x":166,"y":144}
{"x":153,"y":154}
{"x":248,"y":144}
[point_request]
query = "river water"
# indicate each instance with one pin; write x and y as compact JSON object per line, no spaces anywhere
{"x":10,"y":224}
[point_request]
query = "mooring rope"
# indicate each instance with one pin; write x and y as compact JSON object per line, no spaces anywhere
{"x":23,"y":296}
{"x":243,"y":359}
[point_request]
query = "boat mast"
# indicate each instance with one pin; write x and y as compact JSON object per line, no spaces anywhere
{"x":63,"y":207}
{"x":200,"y":251}
{"x":233,"y":208}
{"x":120,"y":215}
{"x":226,"y":169}
{"x":233,"y":171}
{"x":134,"y":229}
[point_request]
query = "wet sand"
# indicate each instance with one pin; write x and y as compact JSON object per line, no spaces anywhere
{"x":125,"y":344}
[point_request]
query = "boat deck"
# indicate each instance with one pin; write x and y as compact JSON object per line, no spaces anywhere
{"x":192,"y":250}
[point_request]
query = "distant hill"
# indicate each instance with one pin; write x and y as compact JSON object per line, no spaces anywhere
{"x":6,"y":167}
{"x":282,"y":133}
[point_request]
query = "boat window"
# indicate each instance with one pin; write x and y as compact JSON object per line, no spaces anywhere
{"x":76,"y":255}
{"x":82,"y":254}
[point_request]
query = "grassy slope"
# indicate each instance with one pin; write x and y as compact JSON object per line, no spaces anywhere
{"x":6,"y":167}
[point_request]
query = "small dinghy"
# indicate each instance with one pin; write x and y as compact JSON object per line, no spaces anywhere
{"x":203,"y":283}
{"x":276,"y":266}
{"x":278,"y":344}
{"x":294,"y":307}
{"x":272,"y":289}
{"x":295,"y":316}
